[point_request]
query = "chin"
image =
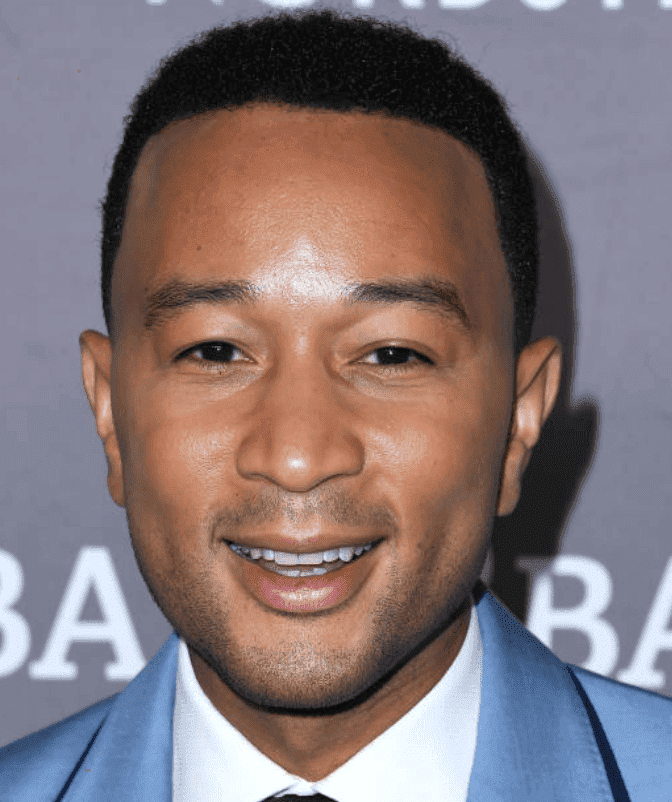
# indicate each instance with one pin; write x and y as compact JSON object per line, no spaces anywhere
{"x":296,"y":680}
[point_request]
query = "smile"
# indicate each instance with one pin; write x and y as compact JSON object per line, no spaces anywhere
{"x":295,"y":564}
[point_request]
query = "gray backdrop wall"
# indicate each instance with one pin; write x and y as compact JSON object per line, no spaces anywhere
{"x":586,"y":560}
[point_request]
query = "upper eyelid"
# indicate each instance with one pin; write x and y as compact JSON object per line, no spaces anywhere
{"x":423,"y":357}
{"x":193,"y":348}
{"x":235,"y":347}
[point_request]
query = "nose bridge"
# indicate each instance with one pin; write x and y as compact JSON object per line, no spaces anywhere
{"x":302,"y":432}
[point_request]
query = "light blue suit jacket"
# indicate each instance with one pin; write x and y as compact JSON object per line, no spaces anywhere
{"x":547,"y":731}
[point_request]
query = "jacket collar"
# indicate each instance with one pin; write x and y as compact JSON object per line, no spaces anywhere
{"x":132,"y":754}
{"x":535,"y":740}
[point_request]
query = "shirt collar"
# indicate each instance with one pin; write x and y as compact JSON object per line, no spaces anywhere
{"x":431,"y":747}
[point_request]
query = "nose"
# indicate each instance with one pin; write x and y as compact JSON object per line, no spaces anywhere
{"x":300,"y":434}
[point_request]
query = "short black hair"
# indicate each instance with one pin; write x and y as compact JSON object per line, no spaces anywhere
{"x":325,"y":60}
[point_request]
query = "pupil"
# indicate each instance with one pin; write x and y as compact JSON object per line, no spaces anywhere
{"x":394,"y":356}
{"x":218,"y":352}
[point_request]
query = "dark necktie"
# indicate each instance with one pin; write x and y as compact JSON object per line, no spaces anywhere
{"x":297,"y":798}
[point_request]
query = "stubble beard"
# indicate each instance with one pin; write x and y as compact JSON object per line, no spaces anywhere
{"x":299,"y":677}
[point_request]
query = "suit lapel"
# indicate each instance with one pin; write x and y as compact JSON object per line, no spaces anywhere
{"x":131,"y":756}
{"x":535,"y":741}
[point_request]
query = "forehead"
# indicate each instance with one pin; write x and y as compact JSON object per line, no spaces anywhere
{"x":229,"y":194}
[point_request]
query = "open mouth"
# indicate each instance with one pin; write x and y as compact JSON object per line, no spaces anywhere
{"x":295,"y":564}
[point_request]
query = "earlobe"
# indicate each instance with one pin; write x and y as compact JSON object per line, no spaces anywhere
{"x":96,"y":351}
{"x":538,"y":373}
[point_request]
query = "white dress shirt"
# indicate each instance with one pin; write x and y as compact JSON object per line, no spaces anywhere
{"x":427,"y":754}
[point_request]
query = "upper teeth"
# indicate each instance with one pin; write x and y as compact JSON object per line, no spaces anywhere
{"x":345,"y":553}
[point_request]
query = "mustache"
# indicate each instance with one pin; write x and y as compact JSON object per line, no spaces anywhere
{"x":274,"y":506}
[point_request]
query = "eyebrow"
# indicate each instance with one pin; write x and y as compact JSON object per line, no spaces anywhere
{"x":164,"y":302}
{"x":426,"y":293}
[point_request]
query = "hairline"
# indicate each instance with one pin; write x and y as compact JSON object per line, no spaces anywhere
{"x":296,"y":107}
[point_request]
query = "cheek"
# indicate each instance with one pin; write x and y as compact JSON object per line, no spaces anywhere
{"x":176,"y":465}
{"x":441,"y":471}
{"x":448,"y":454}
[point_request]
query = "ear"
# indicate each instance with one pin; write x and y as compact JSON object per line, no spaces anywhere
{"x":537,"y":382}
{"x":96,"y":350}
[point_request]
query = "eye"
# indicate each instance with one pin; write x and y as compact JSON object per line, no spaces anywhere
{"x":217,"y":352}
{"x":393,"y":355}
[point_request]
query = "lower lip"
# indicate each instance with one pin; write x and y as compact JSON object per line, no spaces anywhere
{"x":304,"y":594}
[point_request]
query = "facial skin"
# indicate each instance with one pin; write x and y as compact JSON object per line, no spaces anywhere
{"x":302,"y":431}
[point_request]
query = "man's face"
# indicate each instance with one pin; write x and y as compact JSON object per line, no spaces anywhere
{"x":299,"y":409}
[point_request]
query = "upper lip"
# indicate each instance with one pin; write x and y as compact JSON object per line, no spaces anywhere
{"x":306,"y":545}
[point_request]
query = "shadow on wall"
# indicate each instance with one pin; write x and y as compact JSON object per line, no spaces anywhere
{"x":565,"y":450}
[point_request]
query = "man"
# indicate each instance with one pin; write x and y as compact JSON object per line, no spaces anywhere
{"x":319,"y":267}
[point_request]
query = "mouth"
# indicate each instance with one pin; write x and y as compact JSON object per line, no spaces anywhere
{"x":304,"y":583}
{"x":297,"y":564}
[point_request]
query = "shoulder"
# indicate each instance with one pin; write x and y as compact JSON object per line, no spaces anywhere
{"x":618,"y":699}
{"x":38,"y":766}
{"x":638,"y":726}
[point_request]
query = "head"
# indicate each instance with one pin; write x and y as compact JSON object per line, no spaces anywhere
{"x":319,"y":259}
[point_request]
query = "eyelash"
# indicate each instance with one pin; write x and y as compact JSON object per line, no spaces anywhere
{"x":418,"y":357}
